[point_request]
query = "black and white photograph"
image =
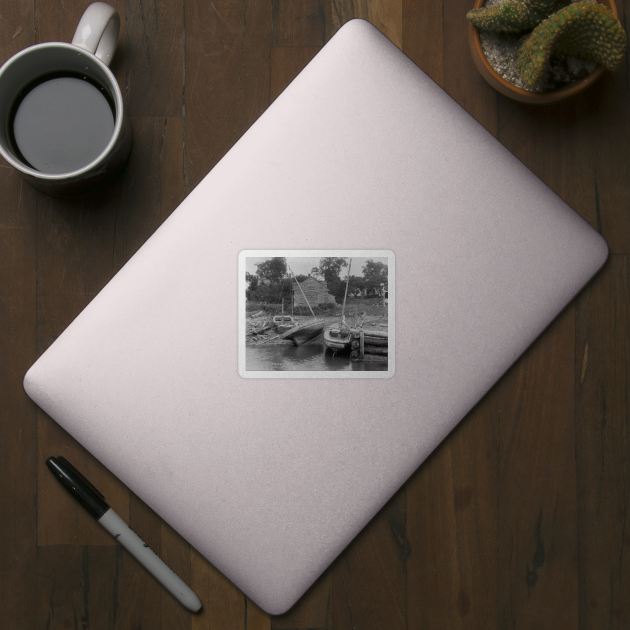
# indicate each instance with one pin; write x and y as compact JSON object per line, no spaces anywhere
{"x":316,"y":313}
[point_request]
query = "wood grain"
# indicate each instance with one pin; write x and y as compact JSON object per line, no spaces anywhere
{"x":226,"y":78}
{"x":143,"y":600}
{"x":602,"y":380}
{"x":224,"y":606}
{"x":300,"y":23}
{"x":313,"y":610}
{"x":422,"y":36}
{"x":76,"y":587}
{"x":537,"y":510}
{"x":18,"y":416}
{"x":151,"y":187}
{"x":61,"y":521}
{"x":517,"y":520}
{"x":386,"y":15}
{"x":154,"y":57}
{"x":57,"y":22}
{"x":452,"y":515}
{"x":369,"y":577}
{"x":461,"y":79}
{"x":285,"y":64}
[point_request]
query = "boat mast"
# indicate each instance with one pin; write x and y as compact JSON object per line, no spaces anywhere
{"x":343,"y":308}
{"x":300,"y":288}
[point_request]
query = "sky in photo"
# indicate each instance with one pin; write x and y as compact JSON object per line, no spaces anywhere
{"x":303,"y":265}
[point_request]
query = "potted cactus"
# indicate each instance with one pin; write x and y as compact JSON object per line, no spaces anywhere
{"x":558,"y":49}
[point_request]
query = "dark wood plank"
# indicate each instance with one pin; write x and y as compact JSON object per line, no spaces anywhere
{"x":255,"y":618}
{"x":558,"y":147}
{"x":18,"y":422}
{"x":226,"y":78}
{"x":300,"y":23}
{"x":57,"y":22}
{"x":224,"y":606}
{"x":608,"y":127}
{"x":537,"y":537}
{"x":572,"y":147}
{"x":608,"y":135}
{"x":369,"y":577}
{"x":18,"y":416}
{"x":17,"y":28}
{"x":154,"y":57}
{"x":61,"y":520}
{"x":152,"y":185}
{"x":452,"y":527}
{"x":142,"y":600}
{"x":461,"y":78}
{"x":76,"y":587}
{"x":603,"y":443}
{"x":386,"y":15}
{"x":285,"y":64}
{"x":171,"y":159}
{"x":313,"y":610}
{"x":422,"y":36}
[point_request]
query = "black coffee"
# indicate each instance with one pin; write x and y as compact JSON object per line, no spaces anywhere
{"x":61,"y":123}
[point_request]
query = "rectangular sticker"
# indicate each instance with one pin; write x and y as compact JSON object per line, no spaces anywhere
{"x":316,"y":313}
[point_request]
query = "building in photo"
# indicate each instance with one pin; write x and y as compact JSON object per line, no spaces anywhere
{"x":316,"y":292}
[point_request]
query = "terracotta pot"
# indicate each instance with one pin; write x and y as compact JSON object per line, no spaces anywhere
{"x":518,"y":94}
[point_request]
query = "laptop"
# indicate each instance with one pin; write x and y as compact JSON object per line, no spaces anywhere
{"x":363,"y":182}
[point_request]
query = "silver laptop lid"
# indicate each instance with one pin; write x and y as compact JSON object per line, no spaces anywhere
{"x":270,"y":478}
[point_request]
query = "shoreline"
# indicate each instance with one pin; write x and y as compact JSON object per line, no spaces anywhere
{"x":268,"y":332}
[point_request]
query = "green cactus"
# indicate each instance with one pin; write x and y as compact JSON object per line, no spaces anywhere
{"x":584,"y":29}
{"x":513,"y":16}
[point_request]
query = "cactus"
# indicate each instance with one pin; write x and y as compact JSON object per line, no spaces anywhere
{"x":584,"y":29}
{"x":513,"y":16}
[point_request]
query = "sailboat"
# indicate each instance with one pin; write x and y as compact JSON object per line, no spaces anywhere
{"x":301,"y":333}
{"x":339,"y":336}
{"x":304,"y":331}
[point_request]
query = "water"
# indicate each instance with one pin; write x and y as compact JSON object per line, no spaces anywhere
{"x":304,"y":358}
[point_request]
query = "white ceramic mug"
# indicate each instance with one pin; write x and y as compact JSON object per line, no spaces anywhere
{"x":88,"y":57}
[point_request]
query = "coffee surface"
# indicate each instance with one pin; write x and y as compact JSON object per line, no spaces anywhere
{"x":62,"y":124}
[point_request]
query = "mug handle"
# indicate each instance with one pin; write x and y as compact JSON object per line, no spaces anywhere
{"x":98,"y":30}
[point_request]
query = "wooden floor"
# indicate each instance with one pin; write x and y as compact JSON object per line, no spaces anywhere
{"x":518,"y":520}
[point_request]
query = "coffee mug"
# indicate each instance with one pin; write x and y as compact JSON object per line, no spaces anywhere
{"x":62,"y":114}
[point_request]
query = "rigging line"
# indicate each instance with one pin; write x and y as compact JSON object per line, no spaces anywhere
{"x":300,"y":288}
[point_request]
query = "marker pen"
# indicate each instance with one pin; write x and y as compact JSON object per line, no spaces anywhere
{"x":94,"y":502}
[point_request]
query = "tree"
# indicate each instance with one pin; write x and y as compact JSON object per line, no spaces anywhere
{"x":375,"y":275}
{"x":330,"y":268}
{"x":272,"y":270}
{"x":356,"y":283}
{"x":270,"y":284}
{"x":252,"y":281}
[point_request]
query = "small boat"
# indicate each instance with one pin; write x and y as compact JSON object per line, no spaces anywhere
{"x":337,"y":337}
{"x":301,"y":333}
{"x":305,"y":331}
{"x":283,"y":323}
